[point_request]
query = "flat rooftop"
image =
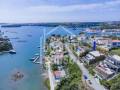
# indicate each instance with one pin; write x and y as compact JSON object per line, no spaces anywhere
{"x":115,"y":40}
{"x":116,"y":57}
{"x":95,"y":53}
{"x":104,"y":68}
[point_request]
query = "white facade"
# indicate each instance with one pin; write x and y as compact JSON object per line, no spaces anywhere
{"x":113,"y":62}
{"x":91,"y":56}
{"x":103,"y":71}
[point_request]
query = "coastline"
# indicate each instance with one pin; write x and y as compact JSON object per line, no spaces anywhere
{"x":46,"y":79}
{"x":4,"y":52}
{"x":20,"y":61}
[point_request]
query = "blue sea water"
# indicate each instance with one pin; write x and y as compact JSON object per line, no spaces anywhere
{"x":9,"y":64}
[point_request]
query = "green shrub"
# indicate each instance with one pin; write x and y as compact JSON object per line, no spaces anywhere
{"x":54,"y":67}
{"x":72,"y":82}
{"x":47,"y":83}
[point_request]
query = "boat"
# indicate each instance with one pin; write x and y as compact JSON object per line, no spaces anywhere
{"x":22,"y":41}
{"x":38,"y":47}
{"x":32,"y":59}
{"x":12,"y":52}
{"x":37,"y":54}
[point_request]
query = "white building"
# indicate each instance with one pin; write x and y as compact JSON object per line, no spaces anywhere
{"x":115,"y":43}
{"x":1,"y":34}
{"x":113,"y":62}
{"x":92,"y":56}
{"x":103,"y":43}
{"x":103,"y":71}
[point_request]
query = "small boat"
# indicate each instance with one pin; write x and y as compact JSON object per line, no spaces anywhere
{"x":37,"y":54}
{"x":32,"y":59}
{"x":22,"y":41}
{"x":38,"y":47}
{"x":12,"y":52}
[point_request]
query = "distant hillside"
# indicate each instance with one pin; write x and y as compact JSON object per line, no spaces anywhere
{"x":100,"y":25}
{"x":110,"y":25}
{"x":77,"y":24}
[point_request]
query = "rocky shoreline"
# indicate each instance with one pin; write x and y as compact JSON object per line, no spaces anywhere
{"x":5,"y":44}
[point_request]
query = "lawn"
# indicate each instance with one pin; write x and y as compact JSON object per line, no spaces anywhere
{"x":74,"y":79}
{"x":47,"y":83}
{"x":113,"y":84}
{"x":116,"y":51}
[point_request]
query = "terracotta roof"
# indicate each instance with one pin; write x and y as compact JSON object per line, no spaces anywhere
{"x":57,"y":73}
{"x":115,"y":40}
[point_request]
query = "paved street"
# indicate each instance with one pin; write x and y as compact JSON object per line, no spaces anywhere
{"x":85,"y":72}
{"x":52,"y":84}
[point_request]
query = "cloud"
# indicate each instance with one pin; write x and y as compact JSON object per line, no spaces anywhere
{"x":69,"y":8}
{"x":113,"y":3}
{"x":72,"y":12}
{"x":54,"y":8}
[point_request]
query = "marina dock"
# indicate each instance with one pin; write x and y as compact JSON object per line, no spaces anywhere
{"x":35,"y":59}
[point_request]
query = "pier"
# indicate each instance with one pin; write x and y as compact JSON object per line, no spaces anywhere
{"x":36,"y":60}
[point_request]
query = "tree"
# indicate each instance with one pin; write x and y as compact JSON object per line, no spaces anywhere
{"x":72,"y":82}
{"x":74,"y":87}
{"x":5,"y":46}
{"x":54,"y":67}
{"x":115,"y":86}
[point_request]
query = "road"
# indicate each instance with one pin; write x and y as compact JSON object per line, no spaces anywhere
{"x":95,"y":85}
{"x":52,"y":84}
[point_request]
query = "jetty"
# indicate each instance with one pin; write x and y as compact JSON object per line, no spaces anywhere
{"x":35,"y":59}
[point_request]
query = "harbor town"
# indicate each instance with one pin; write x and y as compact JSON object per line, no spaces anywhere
{"x":86,"y":60}
{"x":59,"y":44}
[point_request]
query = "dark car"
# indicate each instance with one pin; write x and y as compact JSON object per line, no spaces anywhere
{"x":89,"y":82}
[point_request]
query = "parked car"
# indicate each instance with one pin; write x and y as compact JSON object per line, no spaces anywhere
{"x":89,"y":82}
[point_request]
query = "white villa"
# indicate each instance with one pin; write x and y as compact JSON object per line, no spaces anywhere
{"x":113,"y":62}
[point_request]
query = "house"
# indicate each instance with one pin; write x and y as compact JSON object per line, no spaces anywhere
{"x":56,"y":45}
{"x":57,"y":54}
{"x":103,"y":71}
{"x":103,"y":41}
{"x":1,"y":35}
{"x":92,"y":32}
{"x":79,"y":50}
{"x":72,"y":39}
{"x":111,"y":32}
{"x":93,"y":56}
{"x":58,"y":75}
{"x":113,"y":62}
{"x":115,"y":43}
{"x":81,"y":37}
{"x":58,"y":57}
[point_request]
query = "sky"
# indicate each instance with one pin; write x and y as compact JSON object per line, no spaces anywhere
{"x":28,"y":11}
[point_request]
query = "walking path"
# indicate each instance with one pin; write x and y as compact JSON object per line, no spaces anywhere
{"x":52,"y":84}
